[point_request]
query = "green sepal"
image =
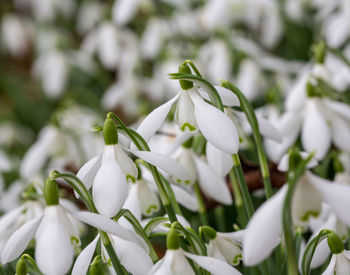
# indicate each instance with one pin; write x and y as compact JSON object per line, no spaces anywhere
{"x":185,"y":84}
{"x":320,"y":52}
{"x":173,"y":239}
{"x":110,"y":132}
{"x":209,"y":232}
{"x":51,"y":192}
{"x":335,"y":243}
{"x":21,"y":267}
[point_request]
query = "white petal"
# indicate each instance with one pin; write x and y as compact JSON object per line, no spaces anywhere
{"x":155,"y":119}
{"x":103,"y":223}
{"x":228,"y":98}
{"x":215,"y":125}
{"x":218,"y":160}
{"x":109,"y":190}
{"x":330,"y":270}
{"x":132,"y":203}
{"x":236,"y":236}
{"x":148,"y":199}
{"x":126,"y":163}
{"x":212,"y":185}
{"x":215,"y":266}
{"x":163,"y":162}
{"x":19,"y":240}
{"x":340,"y":108}
{"x":268,"y":130}
{"x":185,"y":198}
{"x":264,"y":229}
{"x":124,"y":10}
{"x":315,"y":134}
{"x":289,"y":125}
{"x":88,"y":171}
{"x":336,"y":195}
{"x":284,"y":162}
{"x":82,"y":263}
{"x":306,"y":202}
{"x":53,"y":250}
{"x":133,"y":257}
{"x":8,"y":220}
{"x":184,"y":113}
{"x":342,"y":264}
{"x":341,"y":133}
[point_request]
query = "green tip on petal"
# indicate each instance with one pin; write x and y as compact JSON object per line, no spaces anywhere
{"x":320,"y":52}
{"x":338,"y":166}
{"x":335,"y":243}
{"x":173,"y":239}
{"x":209,"y":232}
{"x":185,"y":84}
{"x":294,"y":158}
{"x":51,"y":192}
{"x":110,"y":132}
{"x":21,"y":267}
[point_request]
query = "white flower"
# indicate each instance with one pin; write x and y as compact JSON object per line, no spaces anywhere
{"x":267,"y":220}
{"x":132,"y":256}
{"x":52,"y":69}
{"x":54,"y":234}
{"x":175,"y":262}
{"x":108,"y":175}
{"x":226,"y":247}
{"x":339,"y":264}
{"x":15,"y":35}
{"x":192,"y":113}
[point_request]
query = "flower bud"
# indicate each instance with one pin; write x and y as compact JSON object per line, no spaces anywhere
{"x":173,"y":239}
{"x":335,"y":243}
{"x":51,"y":192}
{"x":185,"y":84}
{"x":209,"y":232}
{"x":110,"y":132}
{"x":21,"y":267}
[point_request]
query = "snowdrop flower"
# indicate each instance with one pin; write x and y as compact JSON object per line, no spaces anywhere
{"x":124,"y":10}
{"x":336,"y":27}
{"x":153,"y":37}
{"x":142,"y":199}
{"x":340,"y":261}
{"x":215,"y":58}
{"x":15,"y":35}
{"x":18,"y":216}
{"x":52,"y":69}
{"x":54,"y":233}
{"x":306,"y":202}
{"x":109,"y":173}
{"x":175,"y":262}
{"x":224,"y":246}
{"x":193,"y":113}
{"x":132,"y":256}
{"x":89,"y":15}
{"x":321,"y":121}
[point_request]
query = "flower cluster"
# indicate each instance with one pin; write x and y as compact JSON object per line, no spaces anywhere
{"x":139,"y":162}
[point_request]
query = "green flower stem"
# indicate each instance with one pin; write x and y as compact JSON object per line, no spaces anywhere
{"x":201,"y":205}
{"x":294,"y":174}
{"x":142,"y":145}
{"x":249,"y":112}
{"x":31,"y":263}
{"x":85,"y":195}
{"x":189,"y":62}
{"x":112,"y":255}
{"x":238,"y":200}
{"x":243,"y":186}
{"x":138,"y":229}
{"x":171,"y":195}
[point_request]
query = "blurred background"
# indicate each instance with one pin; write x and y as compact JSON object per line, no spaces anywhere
{"x":65,"y":63}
